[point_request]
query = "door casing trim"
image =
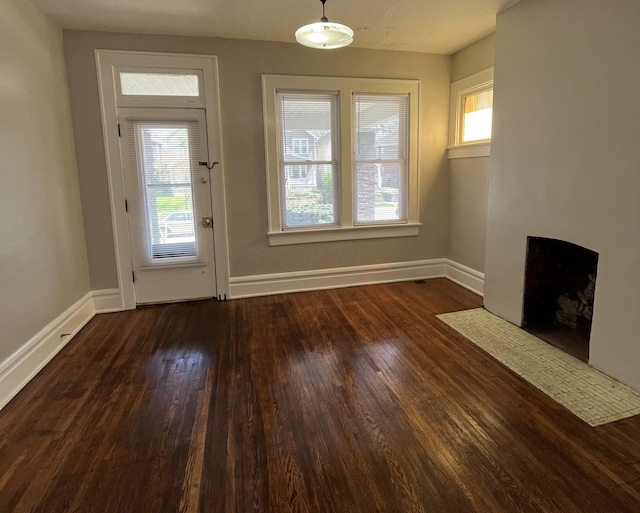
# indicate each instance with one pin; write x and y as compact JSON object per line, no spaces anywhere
{"x":106,"y":61}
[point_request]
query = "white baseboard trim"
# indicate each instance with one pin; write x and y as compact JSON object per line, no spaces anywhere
{"x":17,"y":370}
{"x":299,"y":281}
{"x":107,"y":300}
{"x":465,"y":277}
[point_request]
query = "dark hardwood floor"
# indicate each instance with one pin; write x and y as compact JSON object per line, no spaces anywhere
{"x":351,"y":400}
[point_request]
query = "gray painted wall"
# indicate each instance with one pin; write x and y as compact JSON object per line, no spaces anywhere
{"x":468,"y":210}
{"x":241,"y":64}
{"x":469,"y":177}
{"x":565,"y":160}
{"x":474,"y":58}
{"x":43,"y":263}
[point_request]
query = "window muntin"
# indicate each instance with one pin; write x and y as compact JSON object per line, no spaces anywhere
{"x":308,"y":163}
{"x":380,"y":157}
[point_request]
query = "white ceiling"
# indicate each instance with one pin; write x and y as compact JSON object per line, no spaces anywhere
{"x":434,"y":26}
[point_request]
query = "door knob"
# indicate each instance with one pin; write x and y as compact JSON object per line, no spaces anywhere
{"x":207,"y":222}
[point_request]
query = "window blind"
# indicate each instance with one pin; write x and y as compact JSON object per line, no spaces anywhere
{"x":161,"y":213}
{"x":380,"y":157}
{"x":307,"y":156}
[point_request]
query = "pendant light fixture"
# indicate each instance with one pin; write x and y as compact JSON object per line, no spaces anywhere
{"x":324,"y":34}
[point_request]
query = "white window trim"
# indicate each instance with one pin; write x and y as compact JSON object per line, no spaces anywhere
{"x":347,"y":230}
{"x":473,"y":84}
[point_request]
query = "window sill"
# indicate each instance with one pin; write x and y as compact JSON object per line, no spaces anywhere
{"x":335,"y":233}
{"x":470,"y":150}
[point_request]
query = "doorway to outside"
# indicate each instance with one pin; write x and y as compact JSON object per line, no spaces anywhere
{"x":162,"y":137}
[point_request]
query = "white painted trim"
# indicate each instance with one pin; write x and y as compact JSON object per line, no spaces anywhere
{"x":107,"y":300}
{"x":465,"y":277}
{"x":115,"y":179}
{"x":336,"y":233}
{"x":469,"y":151}
{"x":17,"y":370}
{"x":298,"y":281}
{"x":106,"y":61}
{"x":282,"y":283}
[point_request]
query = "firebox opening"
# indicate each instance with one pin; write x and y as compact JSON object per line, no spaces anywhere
{"x":559,"y":290}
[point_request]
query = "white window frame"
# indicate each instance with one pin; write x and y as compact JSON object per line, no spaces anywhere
{"x":461,"y":89}
{"x":347,"y":229}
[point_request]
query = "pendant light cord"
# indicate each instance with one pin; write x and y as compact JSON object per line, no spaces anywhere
{"x":324,"y":17}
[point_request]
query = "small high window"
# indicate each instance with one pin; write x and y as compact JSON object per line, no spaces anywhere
{"x":156,"y":84}
{"x":471,"y":115}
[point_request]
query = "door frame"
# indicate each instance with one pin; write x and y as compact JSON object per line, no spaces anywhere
{"x":106,"y":63}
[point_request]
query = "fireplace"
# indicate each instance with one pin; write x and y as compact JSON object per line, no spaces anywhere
{"x":560,"y":279}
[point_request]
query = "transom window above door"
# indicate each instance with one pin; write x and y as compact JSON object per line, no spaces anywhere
{"x":159,"y":87}
{"x":159,"y":84}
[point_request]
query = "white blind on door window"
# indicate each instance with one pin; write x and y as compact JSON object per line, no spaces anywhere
{"x":307,"y":156}
{"x":162,"y":215}
{"x":380,"y":157}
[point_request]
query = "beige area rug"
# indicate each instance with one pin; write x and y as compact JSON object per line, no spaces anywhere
{"x":591,"y":395}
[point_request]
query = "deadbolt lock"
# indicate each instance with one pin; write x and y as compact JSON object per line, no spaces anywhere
{"x":207,"y":222}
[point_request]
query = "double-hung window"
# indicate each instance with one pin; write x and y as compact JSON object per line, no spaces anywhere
{"x":342,"y":158}
{"x":380,"y":157}
{"x":308,"y":159}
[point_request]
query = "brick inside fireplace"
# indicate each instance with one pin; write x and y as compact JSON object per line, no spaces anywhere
{"x":559,"y":292}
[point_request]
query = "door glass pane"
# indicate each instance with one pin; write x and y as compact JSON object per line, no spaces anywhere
{"x":159,"y":84}
{"x":165,"y":156}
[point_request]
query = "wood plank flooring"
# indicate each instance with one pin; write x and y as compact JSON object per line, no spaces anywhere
{"x":351,"y":400}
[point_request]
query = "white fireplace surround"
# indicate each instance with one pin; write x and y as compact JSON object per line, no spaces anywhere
{"x":565,"y":162}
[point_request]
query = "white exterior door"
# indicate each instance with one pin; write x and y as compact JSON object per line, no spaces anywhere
{"x":169,"y":208}
{"x":161,"y":118}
